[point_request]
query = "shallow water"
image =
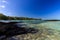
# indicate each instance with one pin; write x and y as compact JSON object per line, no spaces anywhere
{"x":53,"y":25}
{"x":33,"y":23}
{"x":50,"y":24}
{"x":48,"y":30}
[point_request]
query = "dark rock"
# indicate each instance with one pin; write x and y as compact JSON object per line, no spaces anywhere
{"x":11,"y":29}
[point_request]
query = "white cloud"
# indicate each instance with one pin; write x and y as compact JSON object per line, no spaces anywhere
{"x":4,"y":1}
{"x":2,"y":6}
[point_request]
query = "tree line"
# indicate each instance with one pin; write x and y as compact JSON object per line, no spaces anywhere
{"x":3,"y":17}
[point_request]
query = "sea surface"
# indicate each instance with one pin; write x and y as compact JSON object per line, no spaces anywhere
{"x":50,"y":24}
{"x":48,"y":30}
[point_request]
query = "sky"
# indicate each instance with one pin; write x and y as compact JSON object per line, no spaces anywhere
{"x":45,"y":9}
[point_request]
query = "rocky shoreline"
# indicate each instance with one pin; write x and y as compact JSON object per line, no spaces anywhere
{"x":10,"y":29}
{"x":27,"y":31}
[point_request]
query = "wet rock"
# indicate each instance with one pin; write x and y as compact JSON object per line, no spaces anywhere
{"x":11,"y":29}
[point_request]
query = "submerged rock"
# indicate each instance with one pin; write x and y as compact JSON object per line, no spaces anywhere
{"x":11,"y":29}
{"x":43,"y":34}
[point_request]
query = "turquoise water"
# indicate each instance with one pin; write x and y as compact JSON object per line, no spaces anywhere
{"x":48,"y":30}
{"x":33,"y":23}
{"x":49,"y":24}
{"x":53,"y":25}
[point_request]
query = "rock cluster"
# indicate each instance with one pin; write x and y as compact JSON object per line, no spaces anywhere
{"x":11,"y":29}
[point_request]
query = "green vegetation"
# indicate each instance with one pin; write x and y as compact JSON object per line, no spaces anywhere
{"x":3,"y":17}
{"x":53,"y":20}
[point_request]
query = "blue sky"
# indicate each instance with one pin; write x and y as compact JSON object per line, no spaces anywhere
{"x":46,"y":9}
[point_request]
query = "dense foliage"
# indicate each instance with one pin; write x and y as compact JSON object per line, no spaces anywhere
{"x":3,"y":17}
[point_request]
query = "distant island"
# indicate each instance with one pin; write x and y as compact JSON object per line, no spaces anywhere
{"x":4,"y":17}
{"x":52,"y":20}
